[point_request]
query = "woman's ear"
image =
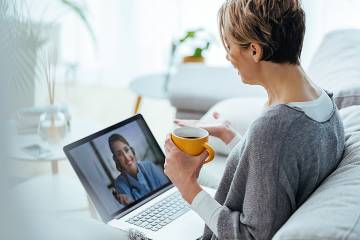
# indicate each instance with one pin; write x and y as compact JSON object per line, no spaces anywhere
{"x":256,"y":52}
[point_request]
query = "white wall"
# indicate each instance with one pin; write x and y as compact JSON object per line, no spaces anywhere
{"x":133,"y":36}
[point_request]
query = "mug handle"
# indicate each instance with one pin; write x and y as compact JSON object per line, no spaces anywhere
{"x":210,"y":151}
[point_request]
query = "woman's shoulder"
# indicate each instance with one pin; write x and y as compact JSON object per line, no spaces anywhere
{"x":146,"y":163}
{"x":275,"y":120}
{"x":281,"y":122}
{"x":120,"y":182}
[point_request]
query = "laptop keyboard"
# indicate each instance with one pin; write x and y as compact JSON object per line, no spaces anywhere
{"x":162,"y":213}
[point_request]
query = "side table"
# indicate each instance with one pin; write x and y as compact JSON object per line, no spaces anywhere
{"x":52,"y":194}
{"x":151,"y":85}
{"x":79,"y":129}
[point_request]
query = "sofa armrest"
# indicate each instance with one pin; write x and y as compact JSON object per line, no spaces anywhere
{"x":197,"y":87}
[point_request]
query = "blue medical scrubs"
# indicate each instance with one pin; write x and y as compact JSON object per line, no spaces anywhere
{"x":149,"y":178}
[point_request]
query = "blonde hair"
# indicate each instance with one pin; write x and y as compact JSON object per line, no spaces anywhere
{"x":277,"y":25}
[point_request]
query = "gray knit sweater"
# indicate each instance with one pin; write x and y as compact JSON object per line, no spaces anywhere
{"x":281,"y":160}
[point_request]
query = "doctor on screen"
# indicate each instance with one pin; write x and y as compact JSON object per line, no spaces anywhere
{"x":136,"y":179}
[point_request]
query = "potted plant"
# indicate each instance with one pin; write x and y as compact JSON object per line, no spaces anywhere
{"x":198,"y":41}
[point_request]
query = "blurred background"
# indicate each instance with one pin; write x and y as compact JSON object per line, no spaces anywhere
{"x":73,"y":67}
{"x":130,"y":38}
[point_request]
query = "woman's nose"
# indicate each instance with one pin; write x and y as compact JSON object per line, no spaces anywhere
{"x":127,"y":156}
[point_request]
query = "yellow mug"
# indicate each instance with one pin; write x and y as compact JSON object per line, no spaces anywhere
{"x":193,"y":141}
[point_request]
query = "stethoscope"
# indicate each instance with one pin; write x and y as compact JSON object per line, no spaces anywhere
{"x":132,"y":188}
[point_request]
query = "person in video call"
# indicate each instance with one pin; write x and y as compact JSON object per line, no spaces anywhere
{"x":286,"y":153}
{"x":136,"y":179}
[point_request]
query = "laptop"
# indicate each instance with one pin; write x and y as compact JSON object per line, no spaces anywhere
{"x":121,"y":169}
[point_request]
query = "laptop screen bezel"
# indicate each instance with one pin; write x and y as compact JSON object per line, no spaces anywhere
{"x":91,"y":192}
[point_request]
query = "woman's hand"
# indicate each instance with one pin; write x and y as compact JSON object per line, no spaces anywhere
{"x":183,"y":169}
{"x":218,"y":128}
{"x":122,"y":198}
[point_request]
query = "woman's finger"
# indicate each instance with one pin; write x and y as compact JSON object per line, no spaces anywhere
{"x":216,"y":115}
{"x":169,"y":145}
{"x":168,"y":138}
{"x":226,"y":123}
{"x":178,"y":122}
{"x":166,"y":147}
{"x":184,"y":122}
{"x":203,"y":156}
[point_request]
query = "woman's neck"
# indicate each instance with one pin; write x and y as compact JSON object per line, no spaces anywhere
{"x":133,"y":172}
{"x":286,"y":83}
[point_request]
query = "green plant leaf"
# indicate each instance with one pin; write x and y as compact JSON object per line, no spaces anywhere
{"x":80,"y":12}
{"x":189,"y":34}
{"x":207,"y":46}
{"x":198,"y":52}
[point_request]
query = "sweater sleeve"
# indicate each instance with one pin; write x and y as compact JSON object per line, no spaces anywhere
{"x":266,"y":204}
{"x":207,"y":208}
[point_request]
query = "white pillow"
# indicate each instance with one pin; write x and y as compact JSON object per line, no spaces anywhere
{"x":335,"y":66}
{"x":240,"y":112}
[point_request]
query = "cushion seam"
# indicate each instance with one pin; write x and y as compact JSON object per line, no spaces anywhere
{"x":353,"y":227}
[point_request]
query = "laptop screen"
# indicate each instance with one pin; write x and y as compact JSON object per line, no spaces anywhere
{"x":120,"y":166}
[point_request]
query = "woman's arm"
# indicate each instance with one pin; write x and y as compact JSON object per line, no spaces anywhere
{"x":122,"y":193}
{"x":208,"y":209}
{"x":259,"y":200}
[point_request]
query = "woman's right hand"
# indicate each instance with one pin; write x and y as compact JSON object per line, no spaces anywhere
{"x":217,"y":128}
{"x":122,"y":198}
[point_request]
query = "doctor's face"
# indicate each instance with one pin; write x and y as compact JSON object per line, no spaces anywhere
{"x":124,"y":156}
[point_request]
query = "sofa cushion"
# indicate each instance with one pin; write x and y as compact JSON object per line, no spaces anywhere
{"x":334,"y":66}
{"x":240,"y":112}
{"x":333,"y":210}
{"x":211,"y":173}
{"x":347,"y":97}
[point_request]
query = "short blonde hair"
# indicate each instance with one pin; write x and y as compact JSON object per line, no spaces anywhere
{"x":277,"y":25}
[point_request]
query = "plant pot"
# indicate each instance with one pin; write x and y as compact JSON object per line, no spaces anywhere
{"x":193,"y":59}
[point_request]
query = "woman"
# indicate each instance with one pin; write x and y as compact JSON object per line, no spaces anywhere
{"x":136,"y":179}
{"x":288,"y":151}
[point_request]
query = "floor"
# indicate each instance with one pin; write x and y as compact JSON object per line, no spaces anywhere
{"x":103,"y":106}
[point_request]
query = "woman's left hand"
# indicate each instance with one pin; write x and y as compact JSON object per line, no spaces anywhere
{"x":183,"y":169}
